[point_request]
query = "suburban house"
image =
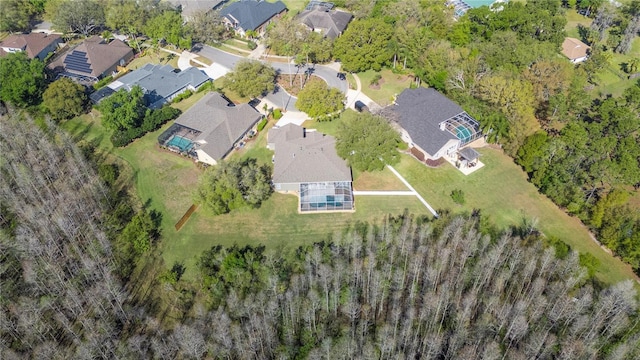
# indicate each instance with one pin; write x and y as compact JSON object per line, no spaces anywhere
{"x":161,"y":83}
{"x":210,"y":129}
{"x":432,"y":125}
{"x":189,"y":8}
{"x":35,"y":45}
{"x":575,"y":50}
{"x":322,"y":18}
{"x":93,"y":59}
{"x":306,"y":163}
{"x":246,"y":15}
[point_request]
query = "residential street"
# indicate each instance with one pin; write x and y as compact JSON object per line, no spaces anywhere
{"x":279,"y":98}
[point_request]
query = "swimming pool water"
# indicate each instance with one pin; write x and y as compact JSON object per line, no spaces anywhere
{"x":180,"y":142}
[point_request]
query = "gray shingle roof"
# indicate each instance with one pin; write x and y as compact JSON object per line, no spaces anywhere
{"x":332,"y":23}
{"x":306,"y":156}
{"x":220,"y":125}
{"x":420,"y":112}
{"x":162,"y":81}
{"x":100,"y":55}
{"x":191,"y":7}
{"x":251,"y":14}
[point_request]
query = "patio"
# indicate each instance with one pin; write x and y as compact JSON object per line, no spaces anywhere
{"x":467,"y":160}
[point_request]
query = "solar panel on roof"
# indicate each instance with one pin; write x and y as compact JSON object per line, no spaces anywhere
{"x":78,"y":61}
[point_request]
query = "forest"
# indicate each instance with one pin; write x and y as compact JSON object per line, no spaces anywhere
{"x":410,"y":287}
{"x":74,"y":240}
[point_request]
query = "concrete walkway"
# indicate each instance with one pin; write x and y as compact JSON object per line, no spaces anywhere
{"x":384,"y":193}
{"x":355,"y":95}
{"x":406,"y":183}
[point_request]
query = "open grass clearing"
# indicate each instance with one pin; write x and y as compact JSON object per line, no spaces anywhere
{"x":501,"y":191}
{"x":573,"y":21}
{"x":154,"y":57}
{"x":389,"y":85}
{"x":295,"y":6}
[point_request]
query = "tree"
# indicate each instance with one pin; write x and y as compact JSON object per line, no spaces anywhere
{"x":64,"y":99}
{"x":251,"y":78}
{"x":15,"y":15}
{"x":234,"y":184}
{"x":123,"y":110}
{"x":22,"y":79}
{"x":127,"y":16}
{"x":367,"y":142}
{"x":317,"y":99}
{"x":363,"y":45}
{"x":207,"y":27}
{"x":168,"y":26}
{"x":81,"y":16}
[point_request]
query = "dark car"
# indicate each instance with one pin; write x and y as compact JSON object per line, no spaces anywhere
{"x":360,"y":106}
{"x":342,"y":76}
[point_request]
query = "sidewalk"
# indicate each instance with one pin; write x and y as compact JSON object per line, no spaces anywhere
{"x":355,"y":95}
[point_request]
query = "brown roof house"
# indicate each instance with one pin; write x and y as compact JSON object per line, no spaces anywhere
{"x":575,"y":50}
{"x":329,"y":22}
{"x":93,"y":59}
{"x":210,"y":129}
{"x":431,"y":124}
{"x":306,"y":162}
{"x":36,"y":45}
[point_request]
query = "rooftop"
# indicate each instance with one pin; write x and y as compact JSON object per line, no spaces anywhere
{"x":219,"y":122}
{"x":161,"y":81}
{"x":331,"y":22}
{"x":191,"y":7}
{"x":250,"y":14}
{"x":93,"y":57}
{"x":574,"y":48}
{"x":32,"y":43}
{"x":303,"y":156}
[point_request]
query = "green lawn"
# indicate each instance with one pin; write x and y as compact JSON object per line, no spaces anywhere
{"x":573,"y":20}
{"x":390,"y":85}
{"x":154,"y":57}
{"x":295,"y":6}
{"x":501,"y":190}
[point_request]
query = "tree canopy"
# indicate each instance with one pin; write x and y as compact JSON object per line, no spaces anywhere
{"x":251,"y":78}
{"x":123,"y":110}
{"x":64,"y":99}
{"x":23,"y":79}
{"x":234,"y":184}
{"x":363,"y":45}
{"x":16,"y":15}
{"x":367,"y":142}
{"x":317,"y":99}
{"x":167,"y":26}
{"x":81,"y":16}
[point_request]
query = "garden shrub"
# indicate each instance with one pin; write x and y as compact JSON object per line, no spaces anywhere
{"x":262,"y":124}
{"x":277,"y":114}
{"x":458,"y":196}
{"x":252,"y":45}
{"x":182,"y":96}
{"x":102,"y":82}
{"x":153,"y":119}
{"x":376,"y":79}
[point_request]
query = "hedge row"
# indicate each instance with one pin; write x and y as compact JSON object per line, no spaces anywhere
{"x":152,"y":121}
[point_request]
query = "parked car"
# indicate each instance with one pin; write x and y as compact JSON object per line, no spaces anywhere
{"x":342,"y":76}
{"x":360,"y":106}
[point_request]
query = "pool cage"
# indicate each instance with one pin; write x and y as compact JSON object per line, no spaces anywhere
{"x":464,"y":127}
{"x":326,"y":196}
{"x":179,"y":138}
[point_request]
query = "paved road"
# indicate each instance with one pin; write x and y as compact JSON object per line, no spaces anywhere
{"x":280,"y":98}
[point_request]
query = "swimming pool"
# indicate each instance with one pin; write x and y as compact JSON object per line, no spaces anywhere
{"x":478,"y":3}
{"x":180,"y":142}
{"x":463,"y":133}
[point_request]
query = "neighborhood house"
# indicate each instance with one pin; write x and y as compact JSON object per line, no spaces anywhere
{"x":161,"y":83}
{"x":210,"y":129}
{"x":432,"y":125}
{"x":189,"y":8}
{"x":93,"y":59}
{"x":575,"y":50}
{"x":322,"y":18}
{"x":35,"y":45}
{"x":251,"y":15}
{"x":306,"y":162}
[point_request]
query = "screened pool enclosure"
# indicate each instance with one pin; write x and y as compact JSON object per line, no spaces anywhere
{"x":326,"y":196}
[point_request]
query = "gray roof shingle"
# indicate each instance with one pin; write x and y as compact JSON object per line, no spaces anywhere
{"x":420,"y":112}
{"x":220,"y":123}
{"x":162,"y":81}
{"x":251,"y":14}
{"x":332,"y":23}
{"x":306,"y":156}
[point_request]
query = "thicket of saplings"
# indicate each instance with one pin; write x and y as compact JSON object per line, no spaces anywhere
{"x":407,"y":288}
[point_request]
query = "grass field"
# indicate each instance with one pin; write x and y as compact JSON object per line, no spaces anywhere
{"x":501,"y":190}
{"x":154,"y":57}
{"x":390,"y":85}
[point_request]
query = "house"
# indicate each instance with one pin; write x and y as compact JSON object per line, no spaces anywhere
{"x":322,"y":18}
{"x":189,"y":8}
{"x":161,"y":83}
{"x":431,"y":124}
{"x":93,"y":59}
{"x":252,"y":15}
{"x":210,"y":129}
{"x":35,"y":45}
{"x":575,"y":50}
{"x":306,"y":162}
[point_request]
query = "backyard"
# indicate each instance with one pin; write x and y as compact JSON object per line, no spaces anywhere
{"x":389,"y":85}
